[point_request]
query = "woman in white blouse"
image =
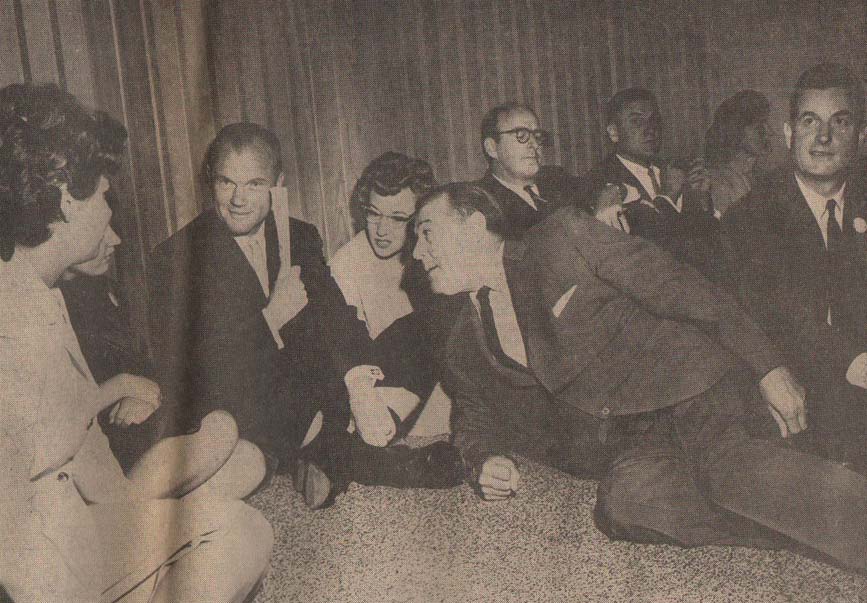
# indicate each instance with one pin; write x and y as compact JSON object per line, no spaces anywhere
{"x":75,"y":528}
{"x":375,"y":275}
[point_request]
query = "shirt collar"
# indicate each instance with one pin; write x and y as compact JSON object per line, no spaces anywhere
{"x":519,"y":190}
{"x":637,"y":168}
{"x":496,"y":278}
{"x":818,"y":203}
{"x":258,"y":236}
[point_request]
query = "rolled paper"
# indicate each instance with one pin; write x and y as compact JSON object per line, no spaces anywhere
{"x":280,"y":207}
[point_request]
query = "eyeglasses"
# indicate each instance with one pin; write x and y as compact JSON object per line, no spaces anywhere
{"x":542,"y":137}
{"x":374,"y":216}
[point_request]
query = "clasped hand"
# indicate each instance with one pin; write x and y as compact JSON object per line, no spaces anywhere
{"x":136,"y":399}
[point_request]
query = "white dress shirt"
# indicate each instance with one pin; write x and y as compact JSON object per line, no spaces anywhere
{"x":819,"y":206}
{"x":641,"y":173}
{"x":505,"y":319}
{"x":253,"y":246}
{"x":519,"y":190}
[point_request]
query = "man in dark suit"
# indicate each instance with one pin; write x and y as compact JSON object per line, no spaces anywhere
{"x":514,"y":147}
{"x":798,"y":258}
{"x":666,"y":203}
{"x":274,"y":345}
{"x":580,"y":338}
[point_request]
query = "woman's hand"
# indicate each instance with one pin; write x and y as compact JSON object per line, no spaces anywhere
{"x":125,"y":386}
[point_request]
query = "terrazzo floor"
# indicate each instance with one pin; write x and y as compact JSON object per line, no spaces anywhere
{"x":383,"y":545}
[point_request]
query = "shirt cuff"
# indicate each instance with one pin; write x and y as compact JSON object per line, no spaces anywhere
{"x":857,"y":371}
{"x":274,"y":328}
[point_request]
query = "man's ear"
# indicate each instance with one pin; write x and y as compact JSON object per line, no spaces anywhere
{"x":491,"y":148}
{"x":613,"y":133}
{"x":787,"y":134}
{"x":280,"y":179}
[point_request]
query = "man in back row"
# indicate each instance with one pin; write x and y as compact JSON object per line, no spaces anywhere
{"x":583,"y":347}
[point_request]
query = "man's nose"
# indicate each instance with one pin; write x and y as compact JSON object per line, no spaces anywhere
{"x":416,"y":251}
{"x":532,"y":142}
{"x":824,"y":134}
{"x":112,"y":240}
{"x":238,"y":195}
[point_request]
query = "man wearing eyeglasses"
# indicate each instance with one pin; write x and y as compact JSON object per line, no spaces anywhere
{"x":514,"y":145}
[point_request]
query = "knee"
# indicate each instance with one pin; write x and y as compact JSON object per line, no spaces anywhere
{"x":252,"y":462}
{"x":220,"y":428}
{"x":254,"y":538}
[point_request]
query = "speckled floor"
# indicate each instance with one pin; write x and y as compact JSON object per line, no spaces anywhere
{"x":383,"y":545}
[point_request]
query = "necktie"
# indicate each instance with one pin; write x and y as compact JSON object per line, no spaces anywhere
{"x":834,"y":232}
{"x":537,"y":199}
{"x":835,"y":236}
{"x":490,"y":328}
{"x":654,"y":181}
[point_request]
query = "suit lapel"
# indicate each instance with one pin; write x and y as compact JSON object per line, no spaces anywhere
{"x":801,"y":227}
{"x":230,"y":271}
{"x":272,"y":250}
{"x":619,"y":173}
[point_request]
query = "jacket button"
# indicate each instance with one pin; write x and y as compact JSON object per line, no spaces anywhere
{"x":606,"y":411}
{"x":62,"y":476}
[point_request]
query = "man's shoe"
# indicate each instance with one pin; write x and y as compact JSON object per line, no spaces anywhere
{"x":318,"y":489}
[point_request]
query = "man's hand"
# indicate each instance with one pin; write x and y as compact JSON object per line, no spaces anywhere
{"x":698,"y":178}
{"x":288,"y":297}
{"x":673,"y":179}
{"x":498,"y":479}
{"x":130,"y":411}
{"x":609,"y":207}
{"x":785,"y":398}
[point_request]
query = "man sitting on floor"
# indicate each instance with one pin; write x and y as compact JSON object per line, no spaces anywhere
{"x":570,"y":350}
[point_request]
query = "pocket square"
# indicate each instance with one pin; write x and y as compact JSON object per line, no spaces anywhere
{"x":564,"y":299}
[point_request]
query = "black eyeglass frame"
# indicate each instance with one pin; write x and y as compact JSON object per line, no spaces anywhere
{"x":522,"y":135}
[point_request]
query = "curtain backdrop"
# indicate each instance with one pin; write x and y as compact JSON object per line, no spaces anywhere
{"x":342,"y":81}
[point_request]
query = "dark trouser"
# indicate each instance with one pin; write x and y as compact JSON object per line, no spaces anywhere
{"x":696,"y":477}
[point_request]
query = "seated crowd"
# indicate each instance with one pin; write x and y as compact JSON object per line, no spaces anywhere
{"x":692,"y":333}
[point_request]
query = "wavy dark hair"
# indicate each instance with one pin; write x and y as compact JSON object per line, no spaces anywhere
{"x":726,"y":133}
{"x":47,"y":139}
{"x":467,"y":198}
{"x":389,"y":174}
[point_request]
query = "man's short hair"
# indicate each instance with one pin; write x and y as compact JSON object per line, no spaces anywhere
{"x":491,"y":121}
{"x":829,"y":75}
{"x":466,"y":198}
{"x":623,"y":98}
{"x":242,"y":136}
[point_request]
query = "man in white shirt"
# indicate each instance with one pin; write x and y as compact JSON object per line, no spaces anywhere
{"x":514,"y":146}
{"x":634,"y":190}
{"x":799,"y":260}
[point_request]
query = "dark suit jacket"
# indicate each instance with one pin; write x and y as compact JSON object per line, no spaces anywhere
{"x":215,"y":350}
{"x":783,"y":274}
{"x":691,"y":236}
{"x":640,"y":332}
{"x":556,"y":186}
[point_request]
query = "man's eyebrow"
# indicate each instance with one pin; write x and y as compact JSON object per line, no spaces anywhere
{"x":418,"y":224}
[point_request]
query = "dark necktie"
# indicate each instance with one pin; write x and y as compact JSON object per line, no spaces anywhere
{"x":835,"y":235}
{"x":537,"y":199}
{"x":490,"y":329}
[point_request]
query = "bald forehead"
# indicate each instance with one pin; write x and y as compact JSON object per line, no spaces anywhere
{"x":256,"y":148}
